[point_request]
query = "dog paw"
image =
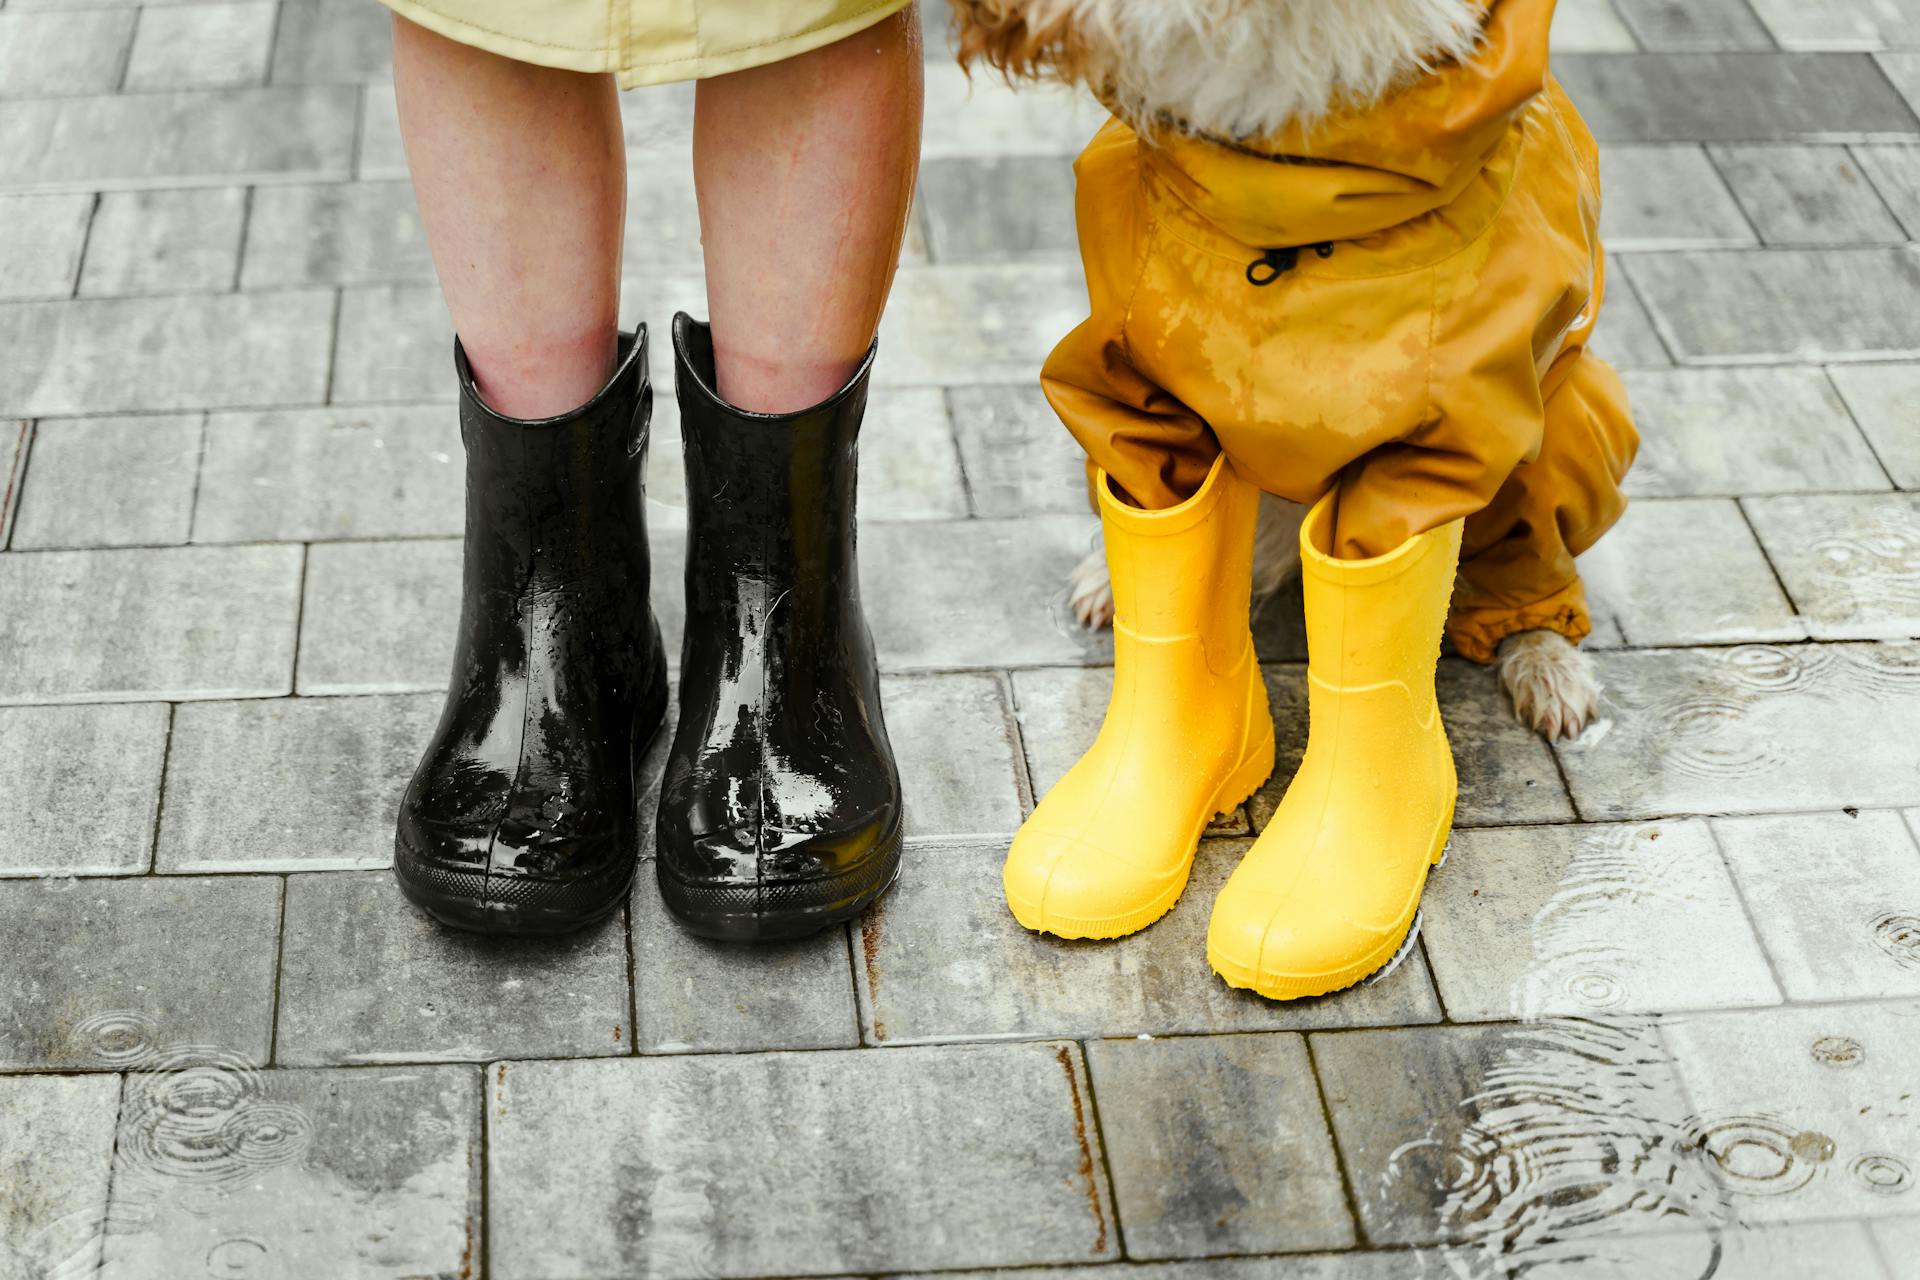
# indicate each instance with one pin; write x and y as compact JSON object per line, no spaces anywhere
{"x":1554,"y":686}
{"x":1090,"y":590}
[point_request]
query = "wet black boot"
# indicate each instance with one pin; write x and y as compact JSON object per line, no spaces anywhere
{"x":521,"y":816}
{"x":780,"y":809}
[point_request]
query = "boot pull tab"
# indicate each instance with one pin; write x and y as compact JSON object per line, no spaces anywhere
{"x":1274,"y":263}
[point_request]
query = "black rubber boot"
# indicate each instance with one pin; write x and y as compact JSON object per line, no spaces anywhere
{"x":780,"y":810}
{"x":520,"y":818}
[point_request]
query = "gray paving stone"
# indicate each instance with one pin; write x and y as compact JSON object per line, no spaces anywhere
{"x":395,"y":346}
{"x":380,"y":153}
{"x":1852,"y":562}
{"x":1680,"y":571}
{"x":1758,"y":728}
{"x":105,"y":482}
{"x":1903,"y":69}
{"x":1218,"y":1145}
{"x":90,"y":779}
{"x":1735,"y":97}
{"x":1805,"y":1111}
{"x":1386,"y":1265}
{"x":105,"y":972}
{"x":332,"y":41}
{"x":177,"y":139}
{"x":1506,"y":770}
{"x":1896,"y":175}
{"x":315,"y":474}
{"x":1899,"y":1241}
{"x":1884,"y":399}
{"x":1807,"y":195}
{"x":985,"y":593}
{"x":1624,"y":335}
{"x":201,"y":46}
{"x":986,"y":117}
{"x":1727,"y":432}
{"x":364,"y":1173}
{"x":335,"y":233}
{"x":1019,"y":459}
{"x":412,"y":587}
{"x":663,"y":215}
{"x":959,"y":753}
{"x":719,"y":1166}
{"x":56,"y":1155}
{"x":1840,"y":24}
{"x":290,"y":784}
{"x":1060,"y":710}
{"x":999,"y":209}
{"x":909,"y":463}
{"x":1746,"y":307}
{"x":40,"y":254}
{"x":695,"y":995}
{"x":165,"y":241}
{"x":1667,"y":198}
{"x":14,"y":439}
{"x":48,"y":54}
{"x":150,"y":355}
{"x":1673,"y":25}
{"x":173,"y":622}
{"x":367,"y":978}
{"x":1589,"y":26}
{"x":943,"y":959}
{"x":1835,"y":898}
{"x":1586,"y":921}
{"x":1474,"y":1135}
{"x":983,"y":323}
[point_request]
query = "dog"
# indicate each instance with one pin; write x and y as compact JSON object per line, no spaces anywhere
{"x":1553,"y":684}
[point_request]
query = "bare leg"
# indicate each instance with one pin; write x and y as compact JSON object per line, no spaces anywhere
{"x":805,"y":172}
{"x":521,"y":177}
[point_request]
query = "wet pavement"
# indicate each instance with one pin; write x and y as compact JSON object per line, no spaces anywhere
{"x":1664,"y":1014}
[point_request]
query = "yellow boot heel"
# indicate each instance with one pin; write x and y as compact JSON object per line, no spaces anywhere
{"x":1330,"y":892}
{"x":1187,"y":733}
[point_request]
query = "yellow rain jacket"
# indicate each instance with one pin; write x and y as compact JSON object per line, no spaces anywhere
{"x":1395,"y":300}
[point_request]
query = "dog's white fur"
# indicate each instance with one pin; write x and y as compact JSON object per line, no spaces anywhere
{"x":1554,"y":687}
{"x":1243,"y":68}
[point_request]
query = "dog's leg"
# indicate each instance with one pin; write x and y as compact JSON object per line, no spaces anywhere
{"x":1276,"y":557}
{"x":1555,"y":687}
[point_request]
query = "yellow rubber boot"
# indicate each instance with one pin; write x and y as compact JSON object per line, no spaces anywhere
{"x":1187,"y":732}
{"x":1330,"y":891}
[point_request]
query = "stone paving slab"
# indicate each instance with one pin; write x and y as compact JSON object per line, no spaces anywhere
{"x":1835,"y":897}
{"x":1589,"y":26}
{"x":57,"y":54}
{"x":300,"y":784}
{"x":413,"y":588}
{"x":1019,"y":460}
{"x":1686,"y":571}
{"x":740,"y":1166}
{"x":307,"y":475}
{"x":1735,"y":97}
{"x":106,"y":482}
{"x":369,"y":1173}
{"x":984,"y":117}
{"x":201,"y":46}
{"x":368,"y":978}
{"x":1851,"y":562}
{"x":332,"y":42}
{"x":1896,"y":176}
{"x":1784,"y":304}
{"x":185,"y":241}
{"x":173,"y":622}
{"x":1807,"y":195}
{"x":103,"y":972}
{"x":1882,"y":399}
{"x":1727,"y":432}
{"x":958,"y":746}
{"x":1840,"y":24}
{"x":1899,"y":1241}
{"x":1667,"y":197}
{"x":56,"y":1152}
{"x":1807,"y":1111}
{"x":94,"y":775}
{"x":1585,"y":921}
{"x":962,"y":325}
{"x":1757,"y":728}
{"x":1386,"y":1265}
{"x":941,"y":958}
{"x":114,"y":355}
{"x":40,"y":255}
{"x":335,"y":233}
{"x":15,"y":437}
{"x":186,"y":138}
{"x":1218,"y":1145}
{"x":1624,"y":336}
{"x":993,"y":210}
{"x":1694,"y":25}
